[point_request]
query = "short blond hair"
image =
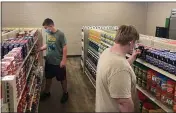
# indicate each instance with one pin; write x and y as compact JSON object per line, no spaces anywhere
{"x":126,"y":34}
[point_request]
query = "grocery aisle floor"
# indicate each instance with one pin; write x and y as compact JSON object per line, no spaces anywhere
{"x":81,"y":92}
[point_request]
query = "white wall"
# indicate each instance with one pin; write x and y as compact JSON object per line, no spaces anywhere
{"x":70,"y":17}
{"x":156,"y":15}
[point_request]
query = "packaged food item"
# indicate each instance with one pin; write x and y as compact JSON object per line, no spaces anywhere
{"x":163,"y":98}
{"x":174,"y":106}
{"x":7,"y":67}
{"x":6,"y":48}
{"x":11,"y":46}
{"x":172,"y":65}
{"x":153,"y":90}
{"x":158,"y":93}
{"x":154,"y":78}
{"x":147,"y":107}
{"x":170,"y":100}
{"x":149,"y":79}
{"x":164,"y":84}
{"x":170,"y":86}
{"x":156,"y":111}
{"x":139,"y":82}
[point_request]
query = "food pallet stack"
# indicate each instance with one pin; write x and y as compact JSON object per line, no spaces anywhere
{"x":155,"y":68}
{"x":19,"y":71}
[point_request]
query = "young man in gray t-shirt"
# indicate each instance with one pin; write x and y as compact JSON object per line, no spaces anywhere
{"x":55,"y":62}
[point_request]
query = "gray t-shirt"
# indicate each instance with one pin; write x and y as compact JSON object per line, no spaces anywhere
{"x":115,"y":79}
{"x":55,"y":43}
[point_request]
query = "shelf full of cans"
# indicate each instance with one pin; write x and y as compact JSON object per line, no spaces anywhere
{"x":157,"y":59}
{"x":19,"y":65}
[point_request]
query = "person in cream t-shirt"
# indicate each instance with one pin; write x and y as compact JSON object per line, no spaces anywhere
{"x":116,"y":80}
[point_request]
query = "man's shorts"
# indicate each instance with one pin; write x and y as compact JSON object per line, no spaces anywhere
{"x":52,"y":71}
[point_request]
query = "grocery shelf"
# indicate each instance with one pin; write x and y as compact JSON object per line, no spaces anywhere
{"x":25,"y":108}
{"x":95,"y":53}
{"x":33,"y":79}
{"x":106,"y":44}
{"x":4,"y":108}
{"x":90,"y":77}
{"x":91,"y":64}
{"x":30,"y":68}
{"x":41,"y":72}
{"x":32,"y":98}
{"x":172,"y":76}
{"x":93,"y":41}
{"x":1,"y":102}
{"x":24,"y":61}
{"x":26,"y":79}
{"x":151,"y":97}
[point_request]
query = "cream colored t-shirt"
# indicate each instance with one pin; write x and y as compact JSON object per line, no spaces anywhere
{"x":115,"y":79}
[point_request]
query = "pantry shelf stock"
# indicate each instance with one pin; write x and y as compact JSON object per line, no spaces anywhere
{"x":90,"y":77}
{"x":93,"y":53}
{"x":28,"y":70}
{"x":41,"y":72}
{"x":24,"y":111}
{"x":106,"y":44}
{"x":93,"y":41}
{"x":91,"y":63}
{"x":33,"y":79}
{"x":24,"y":61}
{"x":165,"y":73}
{"x":32,"y":98}
{"x":151,"y":97}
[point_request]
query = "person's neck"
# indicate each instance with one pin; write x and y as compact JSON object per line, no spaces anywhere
{"x":120,"y":49}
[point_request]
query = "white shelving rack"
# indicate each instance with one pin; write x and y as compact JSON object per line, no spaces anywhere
{"x":150,"y":41}
{"x":92,"y":51}
{"x":10,"y":82}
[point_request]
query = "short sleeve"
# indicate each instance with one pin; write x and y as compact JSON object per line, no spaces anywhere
{"x":63,"y":41}
{"x":120,"y":84}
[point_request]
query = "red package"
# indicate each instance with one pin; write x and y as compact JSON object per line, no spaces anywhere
{"x":170,"y":86}
{"x":141,"y":96}
{"x":174,"y":106}
{"x":170,"y":100}
{"x":158,"y":93}
{"x":163,"y":97}
{"x":154,"y":78}
{"x":148,"y":106}
{"x":7,"y":67}
{"x":149,"y":79}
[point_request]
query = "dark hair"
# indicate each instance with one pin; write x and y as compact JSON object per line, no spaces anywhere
{"x":126,"y":34}
{"x":48,"y":22}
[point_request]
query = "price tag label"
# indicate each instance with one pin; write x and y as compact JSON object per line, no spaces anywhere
{"x":8,"y":78}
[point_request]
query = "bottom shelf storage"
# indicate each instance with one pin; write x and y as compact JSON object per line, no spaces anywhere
{"x":90,"y":77}
{"x":152,"y":98}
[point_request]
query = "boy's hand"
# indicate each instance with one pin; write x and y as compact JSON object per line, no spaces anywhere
{"x":63,"y":63}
